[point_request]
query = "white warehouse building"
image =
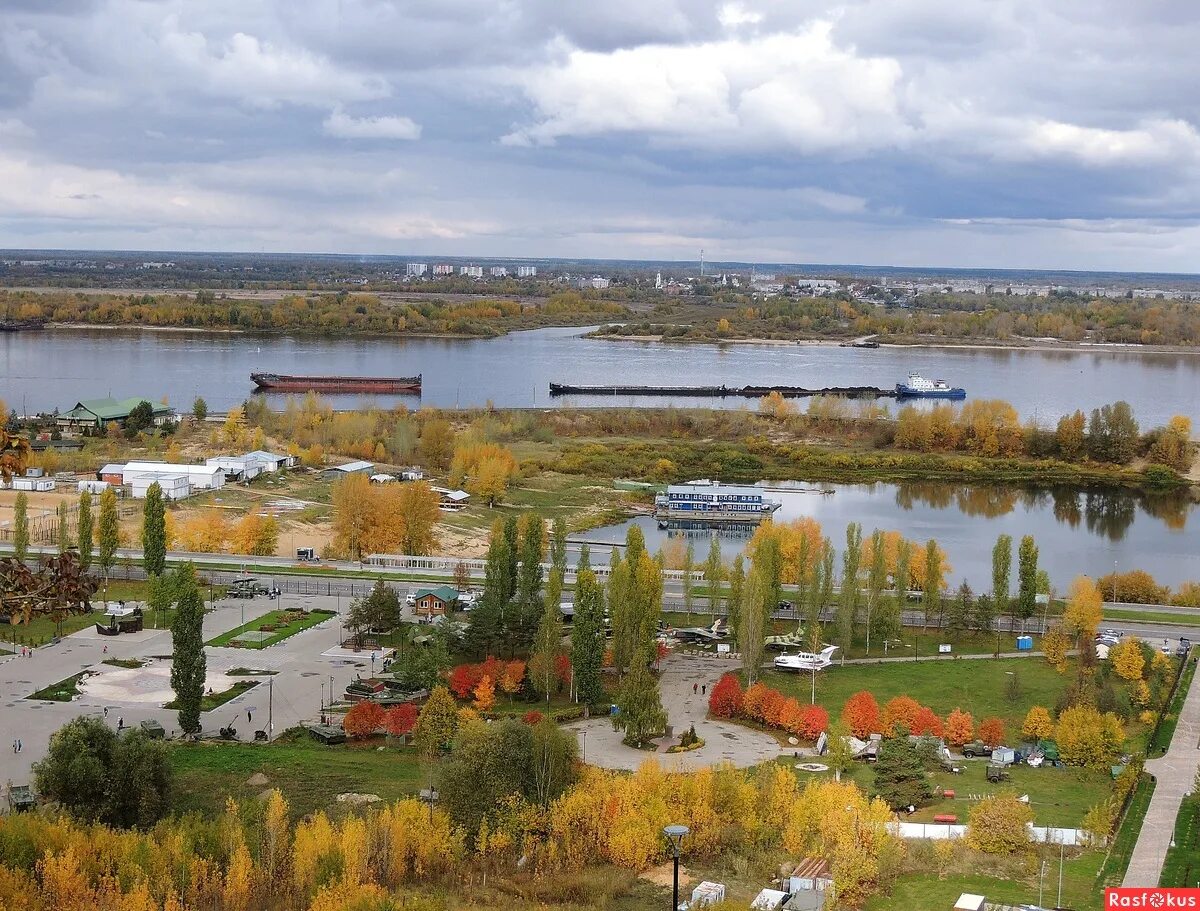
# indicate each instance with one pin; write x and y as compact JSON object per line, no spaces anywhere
{"x":174,"y":486}
{"x":196,"y":477}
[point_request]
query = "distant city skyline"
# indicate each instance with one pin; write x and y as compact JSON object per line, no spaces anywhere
{"x":1006,"y":134}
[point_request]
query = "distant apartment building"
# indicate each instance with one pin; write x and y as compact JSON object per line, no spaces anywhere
{"x":415,"y":270}
{"x":443,"y":269}
{"x":471,"y":271}
{"x":595,"y":282}
{"x":498,"y":272}
{"x":526,"y":271}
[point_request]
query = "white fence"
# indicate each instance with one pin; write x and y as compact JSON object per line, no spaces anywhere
{"x":1048,"y":834}
{"x":474,"y":567}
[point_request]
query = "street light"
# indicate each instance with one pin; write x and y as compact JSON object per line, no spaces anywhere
{"x":675,"y":840}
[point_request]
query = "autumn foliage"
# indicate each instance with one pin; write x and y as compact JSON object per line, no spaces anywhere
{"x":464,"y":679}
{"x":900,"y":712}
{"x":401,"y":719}
{"x":991,"y":731}
{"x":364,"y":719}
{"x":927,"y":721}
{"x":861,"y":714}
{"x":960,"y":727}
{"x":725,"y":700}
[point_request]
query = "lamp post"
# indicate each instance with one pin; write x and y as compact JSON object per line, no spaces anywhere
{"x":675,"y":841}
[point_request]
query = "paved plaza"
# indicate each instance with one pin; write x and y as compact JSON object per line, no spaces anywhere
{"x":308,"y":665}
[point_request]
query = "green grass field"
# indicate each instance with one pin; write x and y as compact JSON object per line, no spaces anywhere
{"x":210,"y":701}
{"x":63,"y":691}
{"x":1121,"y":847}
{"x":309,"y":774}
{"x":1058,"y":797}
{"x":273,"y":618}
{"x":978,"y":686}
{"x":1182,"y":866}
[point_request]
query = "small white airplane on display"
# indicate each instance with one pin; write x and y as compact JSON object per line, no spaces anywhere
{"x":806,"y":661}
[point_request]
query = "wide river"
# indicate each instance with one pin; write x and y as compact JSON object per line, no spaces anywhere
{"x":41,"y":371}
{"x":1077,"y":531}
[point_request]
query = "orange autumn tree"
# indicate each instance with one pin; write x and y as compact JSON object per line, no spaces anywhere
{"x":485,"y":695}
{"x":900,"y":712}
{"x":861,"y":714}
{"x":364,"y":719}
{"x":927,"y":722}
{"x":401,"y":719}
{"x":960,"y":727}
{"x":991,"y":732}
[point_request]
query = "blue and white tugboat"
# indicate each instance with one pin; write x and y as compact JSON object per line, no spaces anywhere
{"x":918,"y":387}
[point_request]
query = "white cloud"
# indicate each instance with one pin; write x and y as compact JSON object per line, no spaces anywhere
{"x":343,"y":126}
{"x":1152,"y":142}
{"x":731,"y":15}
{"x":797,"y":88}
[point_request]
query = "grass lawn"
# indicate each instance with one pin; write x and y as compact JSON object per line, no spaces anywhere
{"x":127,"y":663}
{"x":931,"y":891}
{"x":309,"y":774}
{"x":1182,"y":866}
{"x":1058,"y":797}
{"x":1186,"y":620}
{"x":1166,"y":730}
{"x":1121,"y":849}
{"x":287,"y":623}
{"x":975,"y":685}
{"x":63,"y":691}
{"x":214,"y":700}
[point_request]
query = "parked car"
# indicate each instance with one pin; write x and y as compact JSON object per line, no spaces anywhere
{"x":976,"y":748}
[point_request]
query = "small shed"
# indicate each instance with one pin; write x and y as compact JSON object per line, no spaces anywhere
{"x":93,"y":486}
{"x":429,"y":602}
{"x":810,"y":875}
{"x":174,"y":486}
{"x":40,"y":485}
{"x":969,"y":902}
{"x":342,"y":471}
{"x":113,"y":473}
{"x":1024,"y":643}
{"x":412,"y":474}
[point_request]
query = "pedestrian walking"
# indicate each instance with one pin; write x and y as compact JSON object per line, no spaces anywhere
{"x":20,"y":746}
{"x":249,"y":717}
{"x":14,"y":746}
{"x":121,"y":723}
{"x":694,"y":689}
{"x":105,"y":650}
{"x":704,"y":689}
{"x":106,"y":711}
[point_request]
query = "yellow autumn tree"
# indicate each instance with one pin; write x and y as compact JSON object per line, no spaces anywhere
{"x":1127,"y":659}
{"x":1037,"y":724}
{"x":1084,"y":608}
{"x":1087,"y":737}
{"x":999,"y":824}
{"x":485,"y":695}
{"x":204,"y":532}
{"x":799,"y":545}
{"x":255,"y":534}
{"x":1054,"y":646}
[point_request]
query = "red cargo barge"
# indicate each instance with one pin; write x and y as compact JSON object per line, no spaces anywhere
{"x":278,"y":382}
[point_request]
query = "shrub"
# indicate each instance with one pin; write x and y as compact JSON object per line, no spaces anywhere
{"x":725,"y":701}
{"x":364,"y":719}
{"x":532,"y":718}
{"x":861,"y":714}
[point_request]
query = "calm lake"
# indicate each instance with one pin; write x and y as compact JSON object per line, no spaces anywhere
{"x":1077,"y":531}
{"x":41,"y":371}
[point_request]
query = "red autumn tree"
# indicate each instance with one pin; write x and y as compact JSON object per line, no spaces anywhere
{"x":960,"y":727}
{"x":725,"y":700}
{"x":991,"y":732}
{"x":814,"y":720}
{"x":563,"y":669}
{"x":861,"y":714}
{"x":752,"y":701}
{"x":364,"y":719}
{"x":927,"y":722}
{"x":463,"y":679}
{"x":491,"y":667}
{"x":790,"y":715}
{"x":900,"y":712}
{"x":401,"y":719}
{"x":532,"y":718}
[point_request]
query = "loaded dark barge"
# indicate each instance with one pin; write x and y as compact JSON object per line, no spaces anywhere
{"x":749,"y":392}
{"x":279,"y":382}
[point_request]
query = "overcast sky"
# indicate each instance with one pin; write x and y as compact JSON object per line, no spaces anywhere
{"x":990,"y":133}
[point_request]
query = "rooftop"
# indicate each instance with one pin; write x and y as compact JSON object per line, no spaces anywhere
{"x":110,"y":409}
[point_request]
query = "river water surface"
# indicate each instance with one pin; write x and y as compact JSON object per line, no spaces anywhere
{"x":41,"y":371}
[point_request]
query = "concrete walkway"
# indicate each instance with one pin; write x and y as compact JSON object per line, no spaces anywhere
{"x":723,"y":741}
{"x":1175,"y":772}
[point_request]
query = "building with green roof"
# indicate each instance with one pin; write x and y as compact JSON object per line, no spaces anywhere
{"x":99,"y":413}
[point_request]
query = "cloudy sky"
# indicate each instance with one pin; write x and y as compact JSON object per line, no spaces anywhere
{"x":991,"y":133}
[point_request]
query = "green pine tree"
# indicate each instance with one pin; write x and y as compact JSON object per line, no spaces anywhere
{"x":900,"y":779}
{"x":188,"y":663}
{"x":21,"y":526}
{"x":154,"y":531}
{"x":84,"y":531}
{"x":639,"y":707}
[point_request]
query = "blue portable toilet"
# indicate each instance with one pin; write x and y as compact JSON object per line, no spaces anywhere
{"x":1024,"y":643}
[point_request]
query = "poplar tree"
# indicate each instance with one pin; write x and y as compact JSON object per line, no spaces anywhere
{"x":21,"y":526}
{"x":154,"y":531}
{"x":737,"y":581}
{"x":756,"y":607}
{"x":547,"y":646}
{"x":188,"y":665}
{"x":689,"y":578}
{"x":903,"y":577}
{"x":108,"y":531}
{"x":512,"y":537}
{"x":1027,"y":569}
{"x":486,"y":623}
{"x":639,"y":707}
{"x":529,"y":608}
{"x":931,"y":589}
{"x":714,"y":575}
{"x":876,"y":581}
{"x":84,"y":531}
{"x":620,"y":611}
{"x":848,"y":600}
{"x":587,"y":637}
{"x":1001,"y":572}
{"x":64,"y":531}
